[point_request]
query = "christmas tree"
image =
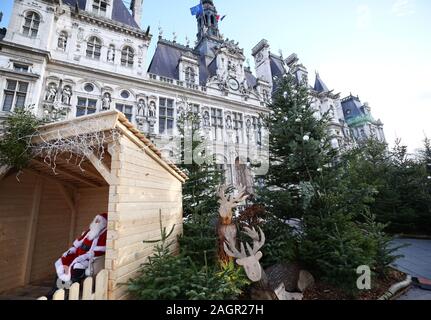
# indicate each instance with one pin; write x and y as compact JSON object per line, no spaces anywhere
{"x":300,"y":150}
{"x":200,"y":200}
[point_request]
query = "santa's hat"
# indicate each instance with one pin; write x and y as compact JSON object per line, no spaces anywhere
{"x":104,"y":216}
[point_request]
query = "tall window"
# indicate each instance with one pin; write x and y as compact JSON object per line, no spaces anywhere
{"x":99,"y":7}
{"x":217,"y":123}
{"x":62,"y":41}
{"x":127,"y":57}
{"x":94,"y":46}
{"x":31,"y":24}
{"x":166,"y":116}
{"x":14,"y":94}
{"x":195,"y":110}
{"x":257,"y":128}
{"x":127,"y":110}
{"x":238,"y":125}
{"x":86,"y":106}
{"x":190,"y":75}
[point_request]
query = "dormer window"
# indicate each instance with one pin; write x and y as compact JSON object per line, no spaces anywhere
{"x":127,"y":57}
{"x":31,"y":24}
{"x":100,"y":7}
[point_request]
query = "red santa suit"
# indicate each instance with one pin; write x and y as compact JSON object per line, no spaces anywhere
{"x":91,"y":244}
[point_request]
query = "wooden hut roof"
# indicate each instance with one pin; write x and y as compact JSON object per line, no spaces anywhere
{"x":109,"y":120}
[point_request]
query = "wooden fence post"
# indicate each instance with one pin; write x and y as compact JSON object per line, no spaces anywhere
{"x":58,"y":295}
{"x":74,"y":291}
{"x":102,"y":285}
{"x":87,"y":290}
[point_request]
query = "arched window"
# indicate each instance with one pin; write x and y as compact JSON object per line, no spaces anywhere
{"x":212,"y":20}
{"x":31,"y":24}
{"x":62,"y":41}
{"x":127,"y":56}
{"x":94,"y":46}
{"x":190,"y":75}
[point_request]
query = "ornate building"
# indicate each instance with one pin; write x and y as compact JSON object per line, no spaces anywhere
{"x":71,"y":58}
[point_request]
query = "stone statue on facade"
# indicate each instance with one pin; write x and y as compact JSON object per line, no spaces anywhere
{"x":106,"y":101}
{"x":51,"y":92}
{"x":142,"y":108}
{"x":111,"y":54}
{"x":245,"y":88}
{"x":66,"y":95}
{"x":248,"y":126}
{"x":62,"y":41}
{"x":152,"y":110}
{"x":228,"y":123}
{"x":206,"y":119}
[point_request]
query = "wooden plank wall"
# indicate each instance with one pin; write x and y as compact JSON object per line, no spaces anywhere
{"x":52,"y":235}
{"x":90,"y":202}
{"x":141,"y":188}
{"x":16,"y":199}
{"x":51,"y":227}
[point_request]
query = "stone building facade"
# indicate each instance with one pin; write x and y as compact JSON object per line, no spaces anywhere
{"x":70,"y":58}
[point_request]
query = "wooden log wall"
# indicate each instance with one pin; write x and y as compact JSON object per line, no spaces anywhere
{"x":141,"y":188}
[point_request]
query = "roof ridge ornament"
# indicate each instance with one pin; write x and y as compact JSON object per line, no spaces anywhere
{"x":160,"y":32}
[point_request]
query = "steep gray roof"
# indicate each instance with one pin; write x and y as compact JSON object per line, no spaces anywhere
{"x":319,"y":85}
{"x":212,"y":68}
{"x":166,"y":61}
{"x":251,"y":79}
{"x":119,"y":11}
{"x":277,"y":68}
{"x":352,"y":107}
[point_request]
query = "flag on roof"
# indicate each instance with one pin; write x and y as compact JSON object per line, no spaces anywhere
{"x":220,"y":18}
{"x":197,"y":10}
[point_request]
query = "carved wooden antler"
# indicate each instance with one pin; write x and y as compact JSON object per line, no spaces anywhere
{"x":226,"y":229}
{"x":249,"y":261}
{"x":228,"y":203}
{"x":258,"y":241}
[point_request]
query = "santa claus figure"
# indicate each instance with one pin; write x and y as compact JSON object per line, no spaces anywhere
{"x":76,"y":263}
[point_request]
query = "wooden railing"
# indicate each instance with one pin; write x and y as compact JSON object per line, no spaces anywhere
{"x":75,"y":292}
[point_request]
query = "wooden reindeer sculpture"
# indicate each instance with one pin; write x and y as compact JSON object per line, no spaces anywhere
{"x":249,"y":261}
{"x":226,"y":228}
{"x":254,"y":270}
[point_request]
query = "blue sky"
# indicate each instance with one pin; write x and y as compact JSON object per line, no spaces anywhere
{"x":379,"y":50}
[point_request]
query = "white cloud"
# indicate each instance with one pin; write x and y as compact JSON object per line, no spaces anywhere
{"x":403,"y":8}
{"x":363,"y":16}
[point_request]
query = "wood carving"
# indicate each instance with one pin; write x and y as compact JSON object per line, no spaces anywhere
{"x":250,"y":260}
{"x":226,"y":228}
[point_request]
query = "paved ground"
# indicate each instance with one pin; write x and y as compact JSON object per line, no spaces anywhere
{"x":417,"y":263}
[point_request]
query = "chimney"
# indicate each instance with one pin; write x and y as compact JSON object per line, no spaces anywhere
{"x":136,"y":7}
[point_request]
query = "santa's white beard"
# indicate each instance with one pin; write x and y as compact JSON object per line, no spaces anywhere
{"x":95,"y":229}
